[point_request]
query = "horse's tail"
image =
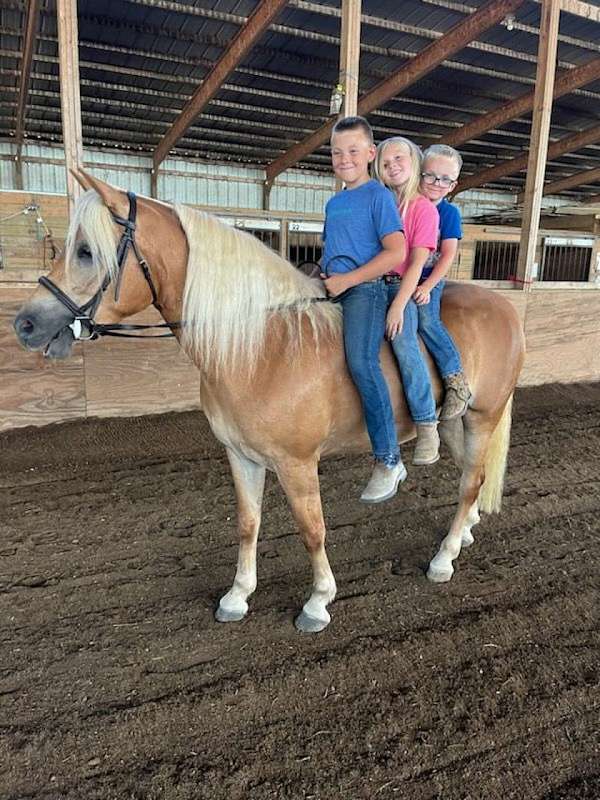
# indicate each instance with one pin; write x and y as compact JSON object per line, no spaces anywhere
{"x":490,"y":494}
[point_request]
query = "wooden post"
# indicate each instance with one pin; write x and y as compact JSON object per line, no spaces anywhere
{"x":538,"y":141}
{"x":68,"y":53}
{"x":594,"y":274}
{"x":350,"y":55}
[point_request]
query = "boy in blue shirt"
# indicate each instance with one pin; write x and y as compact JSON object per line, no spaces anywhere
{"x":441,"y":168}
{"x":363,"y":240}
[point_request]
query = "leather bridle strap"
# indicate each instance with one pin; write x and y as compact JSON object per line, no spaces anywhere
{"x":83,"y":315}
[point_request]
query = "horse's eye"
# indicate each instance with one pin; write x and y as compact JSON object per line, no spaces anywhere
{"x":83,"y":252}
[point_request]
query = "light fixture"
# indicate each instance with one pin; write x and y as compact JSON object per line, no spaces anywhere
{"x":509,"y":21}
{"x":337,"y":98}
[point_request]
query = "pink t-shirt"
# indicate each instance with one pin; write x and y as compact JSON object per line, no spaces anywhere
{"x":421,"y":228}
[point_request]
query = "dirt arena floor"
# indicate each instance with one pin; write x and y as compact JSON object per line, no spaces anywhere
{"x":117,"y":537}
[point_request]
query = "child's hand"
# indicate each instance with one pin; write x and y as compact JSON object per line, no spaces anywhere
{"x":394,"y":321}
{"x":422,"y":295}
{"x":337,"y":284}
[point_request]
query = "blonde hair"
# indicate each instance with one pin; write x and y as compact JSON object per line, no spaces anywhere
{"x":445,"y":151}
{"x":410,"y":190}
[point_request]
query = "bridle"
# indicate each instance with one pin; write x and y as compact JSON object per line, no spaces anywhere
{"x":84,"y":327}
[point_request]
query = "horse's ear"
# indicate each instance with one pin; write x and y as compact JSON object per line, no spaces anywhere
{"x":113,"y":198}
{"x":81,"y":177}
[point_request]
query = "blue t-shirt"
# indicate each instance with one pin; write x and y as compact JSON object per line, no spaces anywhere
{"x":356,"y":220}
{"x":450,"y":228}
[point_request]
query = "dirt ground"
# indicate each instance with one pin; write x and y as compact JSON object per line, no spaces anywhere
{"x":117,"y":537}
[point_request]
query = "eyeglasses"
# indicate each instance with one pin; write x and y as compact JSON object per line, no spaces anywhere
{"x":431,"y":179}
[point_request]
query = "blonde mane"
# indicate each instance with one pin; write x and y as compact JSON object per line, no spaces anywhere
{"x":95,"y":223}
{"x":234,"y":285}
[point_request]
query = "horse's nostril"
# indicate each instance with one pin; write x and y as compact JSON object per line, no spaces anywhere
{"x":24,"y":327}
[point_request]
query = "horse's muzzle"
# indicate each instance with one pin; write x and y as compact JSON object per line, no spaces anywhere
{"x":37,"y":330}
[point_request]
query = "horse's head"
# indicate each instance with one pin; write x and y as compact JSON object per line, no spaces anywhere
{"x":112,"y":267}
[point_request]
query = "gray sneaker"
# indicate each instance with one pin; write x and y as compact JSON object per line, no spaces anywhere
{"x":384,"y":482}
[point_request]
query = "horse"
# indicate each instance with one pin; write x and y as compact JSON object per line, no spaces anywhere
{"x":273,"y":379}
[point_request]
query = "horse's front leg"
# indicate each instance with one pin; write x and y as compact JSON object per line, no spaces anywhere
{"x":249,"y":480}
{"x":300,"y":481}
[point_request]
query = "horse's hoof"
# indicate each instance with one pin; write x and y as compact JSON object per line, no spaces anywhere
{"x":438,"y":575}
{"x":307,"y":624}
{"x":466,"y":540}
{"x":229,"y":615}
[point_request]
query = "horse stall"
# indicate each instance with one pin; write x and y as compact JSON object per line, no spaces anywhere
{"x":153,"y":647}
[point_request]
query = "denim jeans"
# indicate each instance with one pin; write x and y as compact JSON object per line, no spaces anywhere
{"x":365,"y":308}
{"x":435,"y":335}
{"x":413,"y":369}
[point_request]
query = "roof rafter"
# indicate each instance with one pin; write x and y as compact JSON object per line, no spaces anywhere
{"x":31,"y":27}
{"x":425,"y":61}
{"x":576,"y":141}
{"x":257,"y":23}
{"x":565,"y":83}
{"x":579,"y":178}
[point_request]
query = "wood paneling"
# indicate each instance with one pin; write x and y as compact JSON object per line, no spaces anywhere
{"x":25,"y":254}
{"x":562,"y":330}
{"x":130,"y":377}
{"x":35,"y":391}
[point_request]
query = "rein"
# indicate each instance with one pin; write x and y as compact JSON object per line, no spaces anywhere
{"x":84,"y":327}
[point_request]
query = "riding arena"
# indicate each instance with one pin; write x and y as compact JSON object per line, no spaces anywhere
{"x":196,"y":603}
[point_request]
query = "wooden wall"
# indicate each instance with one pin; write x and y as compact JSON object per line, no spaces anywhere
{"x":113,"y":377}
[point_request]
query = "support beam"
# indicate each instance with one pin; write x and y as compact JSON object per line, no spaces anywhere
{"x":29,"y":36}
{"x":579,"y":178}
{"x":350,"y":55}
{"x":68,"y":54}
{"x":423,"y":63}
{"x":568,"y":144}
{"x":581,"y":9}
{"x":566,"y":82}
{"x":255,"y":26}
{"x":538,"y":146}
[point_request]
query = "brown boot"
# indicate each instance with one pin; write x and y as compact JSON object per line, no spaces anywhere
{"x":428,"y":444}
{"x":456,"y":399}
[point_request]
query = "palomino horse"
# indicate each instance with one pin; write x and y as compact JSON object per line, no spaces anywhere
{"x":274,"y":384}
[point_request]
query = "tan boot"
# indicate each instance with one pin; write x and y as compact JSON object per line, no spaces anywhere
{"x":428,"y":444}
{"x":384,"y":482}
{"x":456,"y":399}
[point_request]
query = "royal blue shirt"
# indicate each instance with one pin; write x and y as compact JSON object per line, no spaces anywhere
{"x":450,"y":228}
{"x":356,"y":221}
{"x":450,"y":225}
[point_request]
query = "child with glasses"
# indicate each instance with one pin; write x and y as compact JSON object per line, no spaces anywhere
{"x":440,"y":171}
{"x":398,"y":166}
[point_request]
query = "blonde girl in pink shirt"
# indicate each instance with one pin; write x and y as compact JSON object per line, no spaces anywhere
{"x":398,"y":166}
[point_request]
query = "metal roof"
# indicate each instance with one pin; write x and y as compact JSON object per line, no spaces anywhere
{"x":141,"y":61}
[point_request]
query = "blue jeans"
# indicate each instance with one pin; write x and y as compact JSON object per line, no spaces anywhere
{"x":413,"y":369}
{"x":435,"y":335}
{"x":365,"y":308}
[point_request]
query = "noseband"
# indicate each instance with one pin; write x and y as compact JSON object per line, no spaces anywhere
{"x":83,"y":326}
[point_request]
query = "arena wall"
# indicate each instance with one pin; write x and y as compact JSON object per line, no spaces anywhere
{"x":114,"y":377}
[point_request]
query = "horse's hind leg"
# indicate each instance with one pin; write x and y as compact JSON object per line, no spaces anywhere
{"x":453,"y":436}
{"x":249,"y":480}
{"x":300,"y":482}
{"x":477,"y":433}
